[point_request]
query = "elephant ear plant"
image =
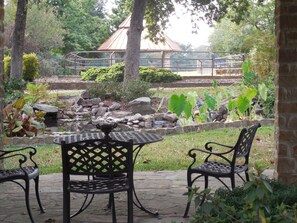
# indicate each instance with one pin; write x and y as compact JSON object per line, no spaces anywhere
{"x":183,"y":105}
{"x":21,"y":120}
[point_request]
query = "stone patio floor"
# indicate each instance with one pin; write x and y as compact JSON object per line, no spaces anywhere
{"x":160,"y":191}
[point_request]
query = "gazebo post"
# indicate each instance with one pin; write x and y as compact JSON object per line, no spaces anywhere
{"x":112,"y":58}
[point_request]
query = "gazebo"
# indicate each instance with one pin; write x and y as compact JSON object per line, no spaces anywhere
{"x":117,"y":43}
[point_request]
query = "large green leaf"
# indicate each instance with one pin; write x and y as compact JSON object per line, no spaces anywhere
{"x":203,"y":113}
{"x":19,"y":104}
{"x":28,"y":109}
{"x":210,"y":101}
{"x":36,"y":124}
{"x":263,"y":90}
{"x":188,"y":109}
{"x":176,"y":104}
{"x":192,"y":98}
{"x":250,"y":93}
{"x":243,"y":103}
{"x":232,"y":104}
{"x":17,"y":129}
{"x":246,"y":66}
{"x":215,"y":84}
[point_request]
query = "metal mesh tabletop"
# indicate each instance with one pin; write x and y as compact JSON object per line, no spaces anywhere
{"x":138,"y":138}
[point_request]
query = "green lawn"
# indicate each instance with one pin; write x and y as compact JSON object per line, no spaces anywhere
{"x":171,"y":153}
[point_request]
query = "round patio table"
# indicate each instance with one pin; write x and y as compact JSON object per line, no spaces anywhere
{"x":139,"y":140}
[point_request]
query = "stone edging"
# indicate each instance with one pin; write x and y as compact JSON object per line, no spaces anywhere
{"x":44,"y":140}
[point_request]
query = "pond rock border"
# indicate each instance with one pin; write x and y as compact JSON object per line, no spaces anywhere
{"x":48,"y":139}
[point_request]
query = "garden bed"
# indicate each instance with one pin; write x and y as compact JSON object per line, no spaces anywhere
{"x":48,"y":139}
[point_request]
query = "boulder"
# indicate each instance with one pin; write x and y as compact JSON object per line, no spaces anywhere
{"x":141,"y":105}
{"x":170,"y":117}
{"x":79,"y":101}
{"x":114,"y":106}
{"x":95,"y":101}
{"x":101,"y":111}
{"x":118,"y":114}
{"x":134,"y":117}
{"x":46,"y":108}
{"x":80,"y":109}
{"x":85,"y":94}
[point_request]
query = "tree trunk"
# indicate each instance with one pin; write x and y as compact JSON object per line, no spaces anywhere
{"x":133,"y":43}
{"x":16,"y":70}
{"x":1,"y":75}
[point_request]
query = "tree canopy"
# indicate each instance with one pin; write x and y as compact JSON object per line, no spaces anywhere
{"x":156,"y":14}
{"x":254,"y":35}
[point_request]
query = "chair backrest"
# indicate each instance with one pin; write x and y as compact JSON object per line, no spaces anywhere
{"x":97,"y":157}
{"x":244,"y":143}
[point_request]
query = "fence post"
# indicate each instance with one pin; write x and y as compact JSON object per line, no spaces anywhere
{"x":212,"y":64}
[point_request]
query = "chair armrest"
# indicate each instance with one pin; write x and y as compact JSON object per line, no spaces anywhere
{"x":209,"y":146}
{"x":17,"y":152}
{"x":22,"y":159}
{"x":193,"y":153}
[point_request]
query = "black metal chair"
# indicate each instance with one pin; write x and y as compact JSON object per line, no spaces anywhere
{"x":105,"y":166}
{"x":233,"y":160}
{"x":26,"y":170}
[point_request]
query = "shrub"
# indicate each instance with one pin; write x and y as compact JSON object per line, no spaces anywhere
{"x":157,"y":75}
{"x":110,"y":88}
{"x":268,"y":104}
{"x":20,"y":119}
{"x":36,"y":92}
{"x":134,"y":89}
{"x":260,"y":200}
{"x":7,"y":61}
{"x":30,"y":67}
{"x":51,"y":65}
{"x":92,"y":73}
{"x":116,"y":73}
{"x":13,"y":90}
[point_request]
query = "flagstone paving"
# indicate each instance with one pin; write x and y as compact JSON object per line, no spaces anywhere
{"x":160,"y":191}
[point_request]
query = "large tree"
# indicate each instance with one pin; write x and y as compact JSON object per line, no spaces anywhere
{"x":134,"y":39}
{"x":16,"y":70}
{"x":85,"y":24}
{"x":42,"y":34}
{"x":254,"y":36}
{"x":156,"y":14}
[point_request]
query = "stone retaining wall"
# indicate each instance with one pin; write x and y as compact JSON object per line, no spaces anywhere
{"x":43,"y":140}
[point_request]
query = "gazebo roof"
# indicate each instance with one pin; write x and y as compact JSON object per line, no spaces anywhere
{"x":118,"y":41}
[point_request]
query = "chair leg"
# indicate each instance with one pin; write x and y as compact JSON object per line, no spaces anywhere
{"x":247,"y":176}
{"x":205,"y":187}
{"x":37,"y":194}
{"x":114,"y":217}
{"x":66,"y":206}
{"x":109,"y":201}
{"x":232,"y":182}
{"x":130,"y":205}
{"x":189,"y":191}
{"x":27,"y":189}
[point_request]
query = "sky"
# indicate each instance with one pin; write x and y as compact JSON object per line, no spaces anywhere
{"x":180,"y":30}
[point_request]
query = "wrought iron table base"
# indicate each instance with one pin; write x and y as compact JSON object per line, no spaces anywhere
{"x":136,"y":201}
